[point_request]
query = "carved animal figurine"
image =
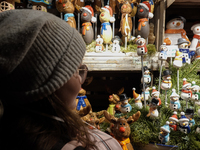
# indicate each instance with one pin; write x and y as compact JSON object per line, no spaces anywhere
{"x":166,"y":82}
{"x":190,"y":115}
{"x":143,"y":13}
{"x":99,"y":44}
{"x":151,"y":2}
{"x":153,"y":112}
{"x":137,"y":98}
{"x":156,"y":94}
{"x":196,"y":38}
{"x":126,"y":21}
{"x":67,"y":7}
{"x":141,"y":46}
{"x":87,"y":16}
{"x":121,"y":129}
{"x":174,"y":101}
{"x":146,"y":76}
{"x":125,"y":106}
{"x":106,"y":30}
{"x":163,"y":52}
{"x":175,"y":30}
{"x":173,"y":120}
{"x":40,"y":5}
{"x":186,"y":92}
{"x":184,"y":124}
{"x":164,"y":134}
{"x":8,"y":5}
{"x":92,"y":119}
{"x":83,"y":106}
{"x":183,"y":47}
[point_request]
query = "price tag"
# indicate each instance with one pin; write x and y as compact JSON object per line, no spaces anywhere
{"x":171,"y":52}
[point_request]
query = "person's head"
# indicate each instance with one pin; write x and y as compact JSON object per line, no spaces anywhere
{"x":40,"y":65}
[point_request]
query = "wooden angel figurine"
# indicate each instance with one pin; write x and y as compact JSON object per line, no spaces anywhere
{"x":99,"y":44}
{"x":8,"y":5}
{"x":144,"y":13}
{"x":87,"y":16}
{"x":83,"y":106}
{"x":164,"y":133}
{"x":137,"y":98}
{"x":67,"y":7}
{"x":153,"y":112}
{"x":125,"y":106}
{"x":121,"y":129}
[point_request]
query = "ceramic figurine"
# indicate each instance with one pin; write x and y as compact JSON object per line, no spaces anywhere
{"x":163,"y":52}
{"x":198,"y":129}
{"x":184,"y":124}
{"x":125,"y":106}
{"x":190,"y":115}
{"x":175,"y":30}
{"x":67,"y":7}
{"x":173,"y":120}
{"x":153,"y":112}
{"x":83,"y":106}
{"x":147,"y":77}
{"x":178,"y":63}
{"x":198,"y":52}
{"x":166,"y":82}
{"x":146,"y":93}
{"x":126,"y":21}
{"x":164,"y":133}
{"x":195,"y":94}
{"x":106,"y":30}
{"x":137,"y":98}
{"x":87,"y":16}
{"x":174,"y":101}
{"x":115,"y":46}
{"x":121,"y":130}
{"x":40,"y":5}
{"x":183,"y":47}
{"x":155,"y":94}
{"x":143,"y":13}
{"x":186,"y":92}
{"x":99,"y":44}
{"x":196,"y":38}
{"x":141,"y":46}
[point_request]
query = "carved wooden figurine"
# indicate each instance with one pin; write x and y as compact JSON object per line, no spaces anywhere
{"x":143,"y":13}
{"x":67,"y":7}
{"x":8,"y":5}
{"x":121,"y":129}
{"x":83,"y":106}
{"x":87,"y":16}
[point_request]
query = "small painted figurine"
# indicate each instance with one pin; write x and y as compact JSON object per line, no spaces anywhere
{"x":190,"y":115}
{"x":137,"y":98}
{"x":164,"y":133}
{"x":151,"y":2}
{"x":105,"y":17}
{"x":147,"y":77}
{"x":143,"y":13}
{"x":166,"y":82}
{"x":121,"y":130}
{"x":195,"y":93}
{"x":99,"y":44}
{"x":186,"y":92}
{"x":184,"y":124}
{"x":125,"y":106}
{"x":183,"y":47}
{"x":174,"y":101}
{"x":156,"y":94}
{"x":40,"y":5}
{"x":196,"y":38}
{"x":141,"y":46}
{"x":175,"y":30}
{"x":83,"y":106}
{"x":153,"y":112}
{"x":163,"y":52}
{"x":146,"y":92}
{"x":173,"y":120}
{"x":178,"y":63}
{"x":115,"y":46}
{"x":87,"y":16}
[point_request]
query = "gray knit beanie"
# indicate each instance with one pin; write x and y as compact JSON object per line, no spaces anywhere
{"x":39,"y":53}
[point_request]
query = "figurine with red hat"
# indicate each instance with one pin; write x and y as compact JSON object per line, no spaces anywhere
{"x":174,"y":101}
{"x":196,"y":38}
{"x":137,"y":98}
{"x":186,"y":92}
{"x":184,"y":124}
{"x":105,"y":19}
{"x":143,"y":13}
{"x":156,"y":94}
{"x":141,"y":46}
{"x":195,"y":93}
{"x":87,"y":16}
{"x":164,"y":133}
{"x":125,"y":106}
{"x":173,"y":120}
{"x":153,"y":112}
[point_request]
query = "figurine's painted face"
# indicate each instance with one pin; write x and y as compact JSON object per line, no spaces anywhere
{"x":163,"y":132}
{"x":196,"y":30}
{"x":174,"y":98}
{"x":125,"y":102}
{"x":126,"y":8}
{"x":86,"y":16}
{"x":183,"y":123}
{"x":183,"y":45}
{"x":142,"y":12}
{"x":168,"y":77}
{"x":172,"y":122}
{"x":189,"y":117}
{"x":147,"y":72}
{"x":175,"y":24}
{"x":163,"y":48}
{"x":104,"y":16}
{"x":195,"y":89}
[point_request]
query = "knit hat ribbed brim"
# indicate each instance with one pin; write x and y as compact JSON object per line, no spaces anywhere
{"x":39,"y":53}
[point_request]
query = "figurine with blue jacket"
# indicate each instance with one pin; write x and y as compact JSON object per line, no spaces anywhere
{"x":174,"y":101}
{"x":125,"y":106}
{"x":184,"y":124}
{"x":164,"y":133}
{"x":147,"y":75}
